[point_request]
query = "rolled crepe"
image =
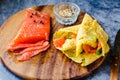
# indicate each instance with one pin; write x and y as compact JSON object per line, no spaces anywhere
{"x":90,"y":34}
{"x":89,"y":30}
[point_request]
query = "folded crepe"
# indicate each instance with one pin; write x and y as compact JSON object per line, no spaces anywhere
{"x":65,"y":39}
{"x":88,"y":44}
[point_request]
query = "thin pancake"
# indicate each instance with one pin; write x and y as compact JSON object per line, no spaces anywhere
{"x":87,"y":33}
{"x":90,"y":28}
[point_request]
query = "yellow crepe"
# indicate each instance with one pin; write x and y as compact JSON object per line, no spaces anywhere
{"x":69,"y":43}
{"x":86,"y":33}
{"x":88,"y":30}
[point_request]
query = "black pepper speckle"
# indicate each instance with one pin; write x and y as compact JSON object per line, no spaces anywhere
{"x":41,"y":22}
{"x":31,"y":16}
{"x":34,"y":20}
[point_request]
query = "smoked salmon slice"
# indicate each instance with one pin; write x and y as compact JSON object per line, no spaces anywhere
{"x":28,"y":54}
{"x":19,"y":46}
{"x":33,"y":35}
{"x":33,"y":48}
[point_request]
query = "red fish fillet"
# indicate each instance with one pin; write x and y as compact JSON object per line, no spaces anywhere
{"x":33,"y":34}
{"x":35,"y":27}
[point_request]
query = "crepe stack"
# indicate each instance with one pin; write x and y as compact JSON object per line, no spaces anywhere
{"x":83,"y":43}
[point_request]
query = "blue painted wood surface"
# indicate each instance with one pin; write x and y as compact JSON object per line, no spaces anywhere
{"x":107,"y":12}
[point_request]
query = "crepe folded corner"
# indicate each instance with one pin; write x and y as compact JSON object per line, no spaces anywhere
{"x":65,"y":39}
{"x":84,"y":43}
